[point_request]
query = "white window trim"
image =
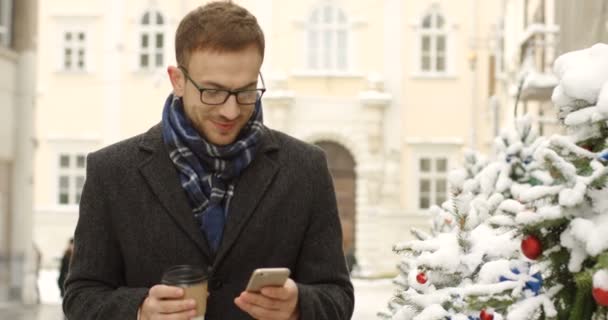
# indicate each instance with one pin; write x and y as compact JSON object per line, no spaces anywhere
{"x":134,"y":23}
{"x":151,"y":29}
{"x":7,"y":15}
{"x":450,"y":57}
{"x":74,"y":25}
{"x":64,"y":145}
{"x":432,"y":176}
{"x":352,"y":24}
{"x":307,"y":73}
{"x":449,"y":148}
{"x":72,"y":171}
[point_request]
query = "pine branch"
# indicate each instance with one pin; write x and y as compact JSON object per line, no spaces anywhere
{"x":419,"y":234}
{"x":499,"y":303}
{"x":602,"y":262}
{"x":583,"y":306}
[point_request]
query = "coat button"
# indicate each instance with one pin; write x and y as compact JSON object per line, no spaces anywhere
{"x":216,"y":284}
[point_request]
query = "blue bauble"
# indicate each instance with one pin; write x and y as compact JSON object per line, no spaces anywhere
{"x":504,"y":278}
{"x":604,"y":156}
{"x":535,"y":286}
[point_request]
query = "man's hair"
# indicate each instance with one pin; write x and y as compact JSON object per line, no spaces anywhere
{"x":219,"y":26}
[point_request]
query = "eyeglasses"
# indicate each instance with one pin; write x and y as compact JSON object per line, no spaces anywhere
{"x":216,"y":97}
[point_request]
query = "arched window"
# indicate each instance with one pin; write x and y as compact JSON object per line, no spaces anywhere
{"x":327,"y":39}
{"x":433,"y":43}
{"x":151,"y":40}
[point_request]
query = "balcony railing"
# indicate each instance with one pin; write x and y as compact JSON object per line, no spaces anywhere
{"x":537,"y":52}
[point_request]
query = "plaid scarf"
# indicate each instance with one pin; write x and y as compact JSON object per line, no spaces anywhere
{"x":207,"y":171}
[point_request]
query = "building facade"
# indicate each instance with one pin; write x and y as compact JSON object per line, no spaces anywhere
{"x":391,"y":90}
{"x":17,"y":97}
{"x":534,"y":33}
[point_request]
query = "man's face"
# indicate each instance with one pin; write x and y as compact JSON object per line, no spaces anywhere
{"x":218,"y":124}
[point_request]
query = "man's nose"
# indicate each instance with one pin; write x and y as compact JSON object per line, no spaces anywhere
{"x":230,"y":109}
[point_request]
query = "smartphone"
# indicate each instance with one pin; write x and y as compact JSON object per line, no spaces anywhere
{"x":265,"y":277}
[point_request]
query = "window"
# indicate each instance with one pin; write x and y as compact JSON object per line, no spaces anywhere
{"x":327,"y":39}
{"x":500,"y":48}
{"x":6,"y":9}
{"x":151,"y":41}
{"x":433,"y":43}
{"x":433,"y":183}
{"x":70,"y":179}
{"x":74,"y":51}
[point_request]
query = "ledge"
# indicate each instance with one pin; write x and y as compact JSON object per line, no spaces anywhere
{"x":434,"y":141}
{"x":433,"y":76}
{"x":325,"y":74}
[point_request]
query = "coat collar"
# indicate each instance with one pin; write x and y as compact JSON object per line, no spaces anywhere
{"x":163,"y":179}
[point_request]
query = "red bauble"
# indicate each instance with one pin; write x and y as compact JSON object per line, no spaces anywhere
{"x":485,"y":315}
{"x":600,"y":296}
{"x":421,"y":278}
{"x":531,"y":247}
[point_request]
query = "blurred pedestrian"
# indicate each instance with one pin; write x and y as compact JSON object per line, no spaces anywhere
{"x":65,"y":266}
{"x":38,"y":261}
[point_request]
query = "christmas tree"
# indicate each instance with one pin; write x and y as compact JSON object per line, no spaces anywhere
{"x":468,"y":267}
{"x":529,"y":231}
{"x":565,"y":223}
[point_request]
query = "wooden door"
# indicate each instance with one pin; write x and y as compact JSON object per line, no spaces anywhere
{"x":342,"y":167}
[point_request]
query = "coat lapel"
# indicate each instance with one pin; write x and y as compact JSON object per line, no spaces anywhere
{"x":250,"y":189}
{"x":163,"y":179}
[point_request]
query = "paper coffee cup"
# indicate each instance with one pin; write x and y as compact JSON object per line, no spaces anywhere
{"x":193,"y":279}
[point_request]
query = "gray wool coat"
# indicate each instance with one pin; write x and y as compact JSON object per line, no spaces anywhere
{"x":135,"y":222}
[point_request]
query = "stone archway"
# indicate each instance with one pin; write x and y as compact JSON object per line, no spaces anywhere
{"x":342,"y":167}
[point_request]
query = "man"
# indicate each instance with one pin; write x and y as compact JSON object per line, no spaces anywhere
{"x":210,"y":186}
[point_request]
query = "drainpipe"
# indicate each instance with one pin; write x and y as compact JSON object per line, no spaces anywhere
{"x":473,"y":64}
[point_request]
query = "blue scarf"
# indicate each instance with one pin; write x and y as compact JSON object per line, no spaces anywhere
{"x":207,"y":172}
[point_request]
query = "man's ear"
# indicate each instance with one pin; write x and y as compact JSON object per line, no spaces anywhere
{"x":177,"y":80}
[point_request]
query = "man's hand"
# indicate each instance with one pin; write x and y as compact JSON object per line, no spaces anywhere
{"x":274,"y":303}
{"x":165,"y":302}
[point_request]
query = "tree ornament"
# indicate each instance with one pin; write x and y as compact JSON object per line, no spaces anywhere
{"x":535,"y":284}
{"x":486,"y":315}
{"x":600,"y":296}
{"x":531,"y":247}
{"x":421,"y":278}
{"x":600,"y":287}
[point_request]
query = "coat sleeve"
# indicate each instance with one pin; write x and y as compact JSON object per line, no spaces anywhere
{"x":95,"y":287}
{"x":325,"y":289}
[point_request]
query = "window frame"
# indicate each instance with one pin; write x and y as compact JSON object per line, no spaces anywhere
{"x":58,"y":145}
{"x":433,"y":33}
{"x":74,"y":46}
{"x":6,"y":31}
{"x":152,"y":30}
{"x":328,"y":59}
{"x":449,"y":147}
{"x":73,"y":172}
{"x":433,"y":176}
{"x":447,"y":31}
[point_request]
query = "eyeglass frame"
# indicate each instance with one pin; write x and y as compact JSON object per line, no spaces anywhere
{"x":230,"y":92}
